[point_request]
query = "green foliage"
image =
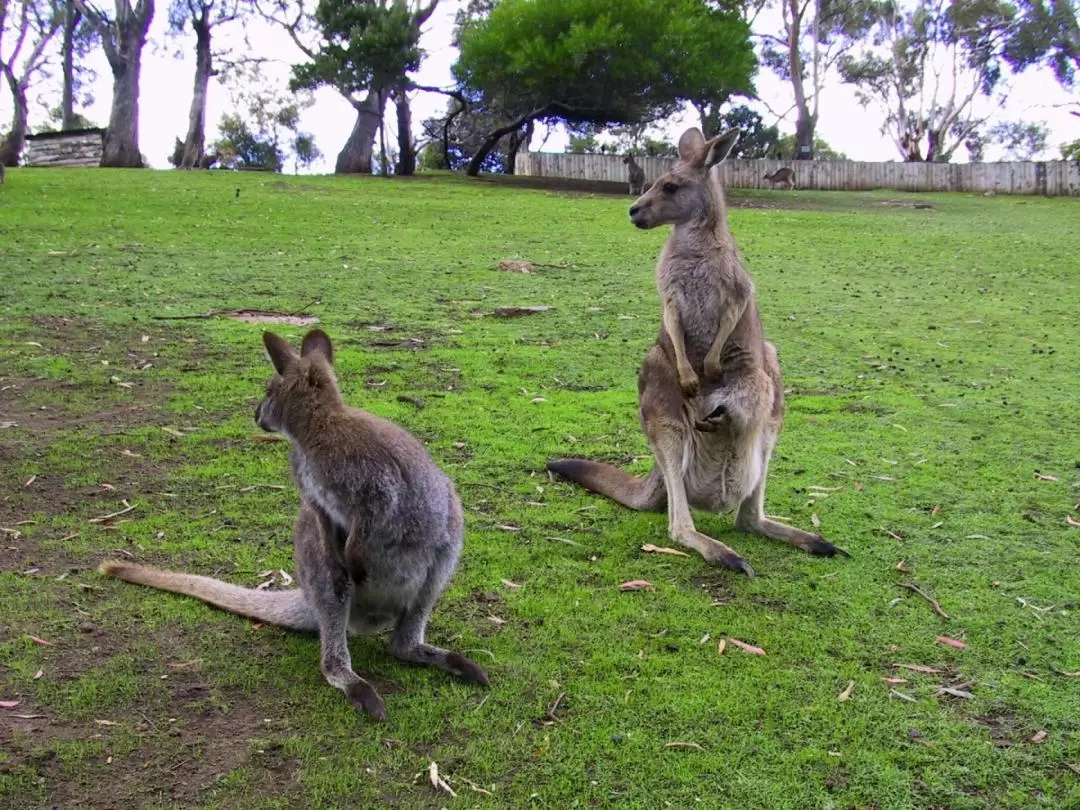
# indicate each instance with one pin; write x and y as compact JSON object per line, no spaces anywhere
{"x":756,"y":140}
{"x":1071,"y":150}
{"x":364,"y":45}
{"x":1047,"y":33}
{"x":593,"y":61}
{"x":256,"y":135}
{"x":583,"y":145}
{"x":1021,"y":140}
{"x":305,"y":152}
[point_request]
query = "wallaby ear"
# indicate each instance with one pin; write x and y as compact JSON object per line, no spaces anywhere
{"x":692,"y":147}
{"x":720,"y":147}
{"x":279,"y":351}
{"x":317,"y":341}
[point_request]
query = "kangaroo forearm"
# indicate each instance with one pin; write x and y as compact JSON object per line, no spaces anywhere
{"x":674,"y":329}
{"x":729,"y":319}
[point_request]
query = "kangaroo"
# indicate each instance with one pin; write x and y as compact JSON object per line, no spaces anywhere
{"x":710,"y":398}
{"x":783,"y":176}
{"x":378,"y":537}
{"x":637,"y":175}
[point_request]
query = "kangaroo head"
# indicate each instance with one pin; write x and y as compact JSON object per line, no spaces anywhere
{"x":683,"y":194}
{"x":300,"y":382}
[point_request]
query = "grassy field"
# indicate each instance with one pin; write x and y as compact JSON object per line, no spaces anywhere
{"x":930,"y":359}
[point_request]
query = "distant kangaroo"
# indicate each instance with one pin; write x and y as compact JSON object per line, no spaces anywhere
{"x":783,"y":176}
{"x":637,"y":175}
{"x":710,"y":396}
{"x":378,"y":537}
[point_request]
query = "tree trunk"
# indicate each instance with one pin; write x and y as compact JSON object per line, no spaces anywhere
{"x":518,"y":139}
{"x":804,"y":135}
{"x":122,"y":136}
{"x":12,"y":145}
{"x":355,"y":156}
{"x":492,"y":140}
{"x":72,"y":18}
{"x":406,"y":164}
{"x":195,"y":143}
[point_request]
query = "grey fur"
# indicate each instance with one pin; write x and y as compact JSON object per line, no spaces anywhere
{"x":379,"y":534}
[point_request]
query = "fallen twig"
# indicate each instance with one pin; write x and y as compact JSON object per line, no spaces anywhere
{"x":555,"y":707}
{"x":933,"y":602}
{"x":684,"y":745}
{"x":104,"y":518}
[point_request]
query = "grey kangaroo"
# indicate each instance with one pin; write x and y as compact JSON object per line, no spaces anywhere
{"x":783,"y":176}
{"x":378,"y":537}
{"x":637,"y":175}
{"x":710,"y":396}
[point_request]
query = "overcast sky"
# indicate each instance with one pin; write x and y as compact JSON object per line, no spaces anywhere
{"x":167,"y":78}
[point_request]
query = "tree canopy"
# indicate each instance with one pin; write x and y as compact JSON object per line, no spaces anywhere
{"x":604,"y":63}
{"x":935,"y":58}
{"x":1047,"y":33}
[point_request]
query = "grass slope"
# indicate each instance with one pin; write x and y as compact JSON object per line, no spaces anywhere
{"x":930,"y":358}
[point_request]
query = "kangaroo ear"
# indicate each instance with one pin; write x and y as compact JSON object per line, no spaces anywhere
{"x":279,"y":352}
{"x":692,"y":147}
{"x":720,"y":147}
{"x":317,"y":341}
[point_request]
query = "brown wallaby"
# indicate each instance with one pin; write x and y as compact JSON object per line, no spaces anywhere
{"x":378,"y":537}
{"x":710,"y":396}
{"x":637,"y":175}
{"x":782,"y":176}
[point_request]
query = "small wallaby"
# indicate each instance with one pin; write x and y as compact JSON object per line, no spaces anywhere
{"x":783,"y":176}
{"x":637,"y":175}
{"x":378,"y":537}
{"x":710,"y":397}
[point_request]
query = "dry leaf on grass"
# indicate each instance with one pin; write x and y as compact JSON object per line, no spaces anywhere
{"x":1066,"y":674}
{"x":721,"y":646}
{"x":920,"y":668}
{"x":815,"y":520}
{"x":9,"y":704}
{"x":437,"y":781}
{"x":30,"y":481}
{"x":509,"y":584}
{"x":895,"y":681}
{"x":846,"y":694}
{"x":649,"y":547}
{"x":902,"y":696}
{"x":1039,"y":736}
{"x":37,"y":640}
{"x":1042,"y":477}
{"x":106,"y":722}
{"x":38,"y":674}
{"x":951,"y":642}
{"x":637,"y":585}
{"x":511,"y":266}
{"x":1071,"y":522}
{"x":684,"y":745}
{"x":750,"y":648}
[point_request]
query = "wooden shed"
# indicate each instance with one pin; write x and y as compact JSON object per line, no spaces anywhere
{"x":73,"y":147}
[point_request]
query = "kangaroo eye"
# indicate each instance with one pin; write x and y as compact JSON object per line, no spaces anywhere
{"x":670,"y":188}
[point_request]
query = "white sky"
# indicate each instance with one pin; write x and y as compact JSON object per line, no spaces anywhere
{"x":166,"y":95}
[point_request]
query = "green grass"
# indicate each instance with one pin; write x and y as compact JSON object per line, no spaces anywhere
{"x":930,"y":359}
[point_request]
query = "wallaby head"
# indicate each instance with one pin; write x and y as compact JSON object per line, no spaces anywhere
{"x":684,"y":194}
{"x":301,"y":381}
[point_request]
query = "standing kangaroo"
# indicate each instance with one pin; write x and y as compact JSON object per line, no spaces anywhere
{"x":709,"y":391}
{"x":378,"y":537}
{"x":637,"y":175}
{"x":782,"y":176}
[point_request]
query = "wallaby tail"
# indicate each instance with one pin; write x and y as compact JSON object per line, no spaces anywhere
{"x":646,"y":494}
{"x":284,"y":608}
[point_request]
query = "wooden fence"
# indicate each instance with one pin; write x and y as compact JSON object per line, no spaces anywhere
{"x":1052,"y":179}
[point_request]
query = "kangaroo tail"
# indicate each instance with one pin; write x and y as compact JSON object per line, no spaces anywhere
{"x":646,"y":494}
{"x":284,"y":608}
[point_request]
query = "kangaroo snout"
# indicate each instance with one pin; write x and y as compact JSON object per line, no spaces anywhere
{"x":639,"y":215}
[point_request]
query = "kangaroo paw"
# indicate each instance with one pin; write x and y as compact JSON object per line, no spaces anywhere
{"x":820,"y":546}
{"x":466,"y":669}
{"x":365,"y":699}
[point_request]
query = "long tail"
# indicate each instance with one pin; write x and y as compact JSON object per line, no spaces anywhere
{"x":284,"y":608}
{"x":646,"y":494}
